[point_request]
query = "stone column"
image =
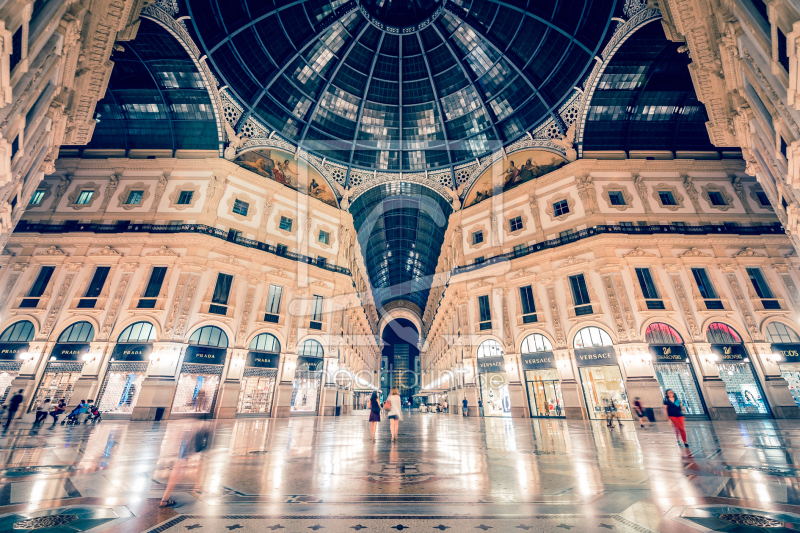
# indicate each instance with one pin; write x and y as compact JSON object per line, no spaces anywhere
{"x":231,"y":385}
{"x":571,"y":391}
{"x":30,"y":372}
{"x":158,"y":388}
{"x":283,"y":390}
{"x":640,"y":379}
{"x":88,"y":385}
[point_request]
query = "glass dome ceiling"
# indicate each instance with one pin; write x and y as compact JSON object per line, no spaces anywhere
{"x":446,"y":83}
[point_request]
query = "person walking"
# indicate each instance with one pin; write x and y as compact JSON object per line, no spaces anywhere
{"x":42,"y":410}
{"x":394,"y":409}
{"x":674,"y":411}
{"x":191,"y":452}
{"x":465,"y":407}
{"x":374,"y":413}
{"x":58,"y":409}
{"x":639,"y":408}
{"x":480,"y":407}
{"x":444,"y":406}
{"x":13,"y":406}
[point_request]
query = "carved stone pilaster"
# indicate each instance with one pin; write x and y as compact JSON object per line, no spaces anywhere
{"x":16,"y":270}
{"x":791,"y":288}
{"x":508,"y":338}
{"x":625,"y":304}
{"x":641,"y":190}
{"x":58,"y":303}
{"x":736,"y":182}
{"x":169,"y":325}
{"x":180,"y":323}
{"x":616,"y":312}
{"x":561,"y":341}
{"x":111,"y":317}
{"x":741,"y":301}
{"x":688,"y":313}
{"x":241,"y":335}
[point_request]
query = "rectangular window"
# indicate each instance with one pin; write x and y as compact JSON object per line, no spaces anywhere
{"x":234,"y":234}
{"x":95,"y":288}
{"x":761,"y":9}
{"x":281,"y":249}
{"x":783,"y":59}
{"x":14,"y":146}
{"x":153,"y":288}
{"x":580,"y":295}
{"x":679,"y":224}
{"x":706,"y":289}
{"x":484,"y":312}
{"x":616,"y":197}
{"x":84,"y":197}
{"x":240,"y":207}
{"x":762,"y":199}
{"x":759,"y":283}
{"x":643,"y":223}
{"x":528,"y":304}
{"x":716,"y":198}
{"x":38,"y":287}
{"x":666,"y":198}
{"x":477,"y":237}
{"x":479,"y":260}
{"x":134,"y":197}
{"x":560,"y":208}
{"x":274,"y":300}
{"x":285,"y":224}
{"x":316,"y":313}
{"x":324,"y":237}
{"x":649,"y":289}
{"x":219,"y":301}
{"x":16,"y":50}
{"x":515,"y":224}
{"x":37,"y":197}
{"x":175,"y":223}
{"x":185,"y":197}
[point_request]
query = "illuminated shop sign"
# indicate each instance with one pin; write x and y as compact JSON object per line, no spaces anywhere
{"x":9,"y":351}
{"x":729,"y":352}
{"x":535,"y":361}
{"x":673,"y":353}
{"x":132,"y":352}
{"x":597,"y":356}
{"x":491,"y":364}
{"x":206,"y":355}
{"x":69,"y":352}
{"x":262,"y":359}
{"x":789,"y":352}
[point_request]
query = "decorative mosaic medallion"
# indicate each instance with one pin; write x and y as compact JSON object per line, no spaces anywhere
{"x":750,"y":520}
{"x":42,"y":522}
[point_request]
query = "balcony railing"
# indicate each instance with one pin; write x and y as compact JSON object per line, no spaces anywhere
{"x":27,"y":227}
{"x":659,"y":229}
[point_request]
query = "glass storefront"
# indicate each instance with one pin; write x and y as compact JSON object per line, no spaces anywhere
{"x":127,"y":369}
{"x":672,"y":367}
{"x":198,"y":382}
{"x":14,"y":341}
{"x":493,"y":380}
{"x":361,"y":399}
{"x":737,"y":372}
{"x":260,"y":376}
{"x":600,"y":374}
{"x":542,"y":380}
{"x":786,"y":344}
{"x":8,"y":371}
{"x":308,"y":378}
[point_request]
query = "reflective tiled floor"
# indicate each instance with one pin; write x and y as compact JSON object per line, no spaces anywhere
{"x":444,"y":473}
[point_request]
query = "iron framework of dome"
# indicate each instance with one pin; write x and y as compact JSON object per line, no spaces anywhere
{"x":457,"y":84}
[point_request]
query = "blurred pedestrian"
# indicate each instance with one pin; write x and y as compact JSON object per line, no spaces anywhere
{"x":190,"y":454}
{"x":639,"y":408}
{"x":674,"y":411}
{"x":374,"y":413}
{"x":42,"y":410}
{"x":465,"y":407}
{"x":394,"y":409}
{"x":13,"y":405}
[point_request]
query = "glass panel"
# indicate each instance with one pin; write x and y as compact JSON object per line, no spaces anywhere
{"x":55,"y":385}
{"x":703,"y":283}
{"x":680,"y":379}
{"x":18,"y":332}
{"x":743,"y":390}
{"x":601,"y":386}
{"x":544,"y":392}
{"x":305,"y":390}
{"x":791,"y":373}
{"x":195,"y":393}
{"x":494,"y":394}
{"x":776,"y":332}
{"x":121,"y":388}
{"x":222,"y":289}
{"x":155,"y":282}
{"x":41,"y":281}
{"x":256,"y":394}
{"x":490,"y":348}
{"x":274,"y":299}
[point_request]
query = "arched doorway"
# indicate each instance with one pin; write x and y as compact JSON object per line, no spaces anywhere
{"x":600,"y":374}
{"x":127,"y":369}
{"x":541,"y":377}
{"x":64,"y":365}
{"x":786,"y":343}
{"x":673,"y":368}
{"x":200,"y":374}
{"x":14,"y":341}
{"x":736,"y":371}
{"x":259,"y":377}
{"x":308,"y":377}
{"x":493,"y":379}
{"x":401,"y":356}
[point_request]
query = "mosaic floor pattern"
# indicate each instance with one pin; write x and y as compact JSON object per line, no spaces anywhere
{"x":444,"y":473}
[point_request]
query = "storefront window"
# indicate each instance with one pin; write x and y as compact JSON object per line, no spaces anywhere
{"x":14,"y":341}
{"x":65,"y":365}
{"x":199,"y":378}
{"x":601,"y":377}
{"x":672,"y":367}
{"x":127,"y":369}
{"x":493,"y":380}
{"x":308,"y":377}
{"x":260,"y":374}
{"x":786,"y":343}
{"x":541,"y":377}
{"x":736,"y":370}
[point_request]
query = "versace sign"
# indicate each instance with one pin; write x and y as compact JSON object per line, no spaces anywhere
{"x":205,"y":355}
{"x":673,"y":353}
{"x":491,"y":364}
{"x":535,"y":361}
{"x":597,"y":356}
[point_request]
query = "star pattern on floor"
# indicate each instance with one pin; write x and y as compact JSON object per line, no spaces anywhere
{"x":564,"y":526}
{"x":441,"y":527}
{"x":194,"y":526}
{"x":523,"y":526}
{"x":606,"y":526}
{"x":275,"y":527}
{"x":358,"y":527}
{"x":484,"y":527}
{"x":316,"y":527}
{"x":400,"y":527}
{"x":234,"y":526}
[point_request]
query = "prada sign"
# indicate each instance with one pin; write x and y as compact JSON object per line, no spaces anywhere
{"x":206,"y":355}
{"x":598,"y":356}
{"x":310,"y":364}
{"x":491,"y":364}
{"x":729,"y":352}
{"x":262,"y":359}
{"x":69,"y":352}
{"x":131,"y":352}
{"x":535,"y":361}
{"x":10,"y":351}
{"x":672,"y":353}
{"x":790,"y":352}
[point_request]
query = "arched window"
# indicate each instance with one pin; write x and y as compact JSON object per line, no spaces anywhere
{"x":591,"y":336}
{"x":776,"y":332}
{"x":490,"y":348}
{"x":311,"y":348}
{"x":138,"y":332}
{"x":660,"y":333}
{"x":266,"y":342}
{"x":21,"y":331}
{"x":209,"y":336}
{"x":78,"y":332}
{"x":719,"y":333}
{"x":536,"y":343}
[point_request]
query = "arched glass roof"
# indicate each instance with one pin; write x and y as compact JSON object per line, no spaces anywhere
{"x":464,"y":78}
{"x":400,"y":228}
{"x":156,"y":98}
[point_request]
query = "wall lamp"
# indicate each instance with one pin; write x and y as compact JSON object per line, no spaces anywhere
{"x":710,"y":358}
{"x":27,"y":357}
{"x":773,"y":358}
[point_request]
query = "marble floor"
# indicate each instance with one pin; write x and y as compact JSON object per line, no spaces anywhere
{"x":443,"y":473}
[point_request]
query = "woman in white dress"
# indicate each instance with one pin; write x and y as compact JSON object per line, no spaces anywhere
{"x":394,"y":408}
